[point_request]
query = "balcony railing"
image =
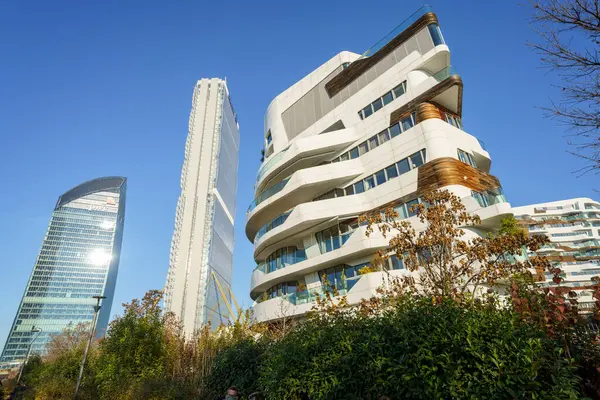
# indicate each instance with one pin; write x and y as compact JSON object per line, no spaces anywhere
{"x":269,"y":164}
{"x":489,"y":197}
{"x":396,"y":31}
{"x":445,"y":73}
{"x":267,"y":194}
{"x":311,"y":295}
{"x":272,"y":224}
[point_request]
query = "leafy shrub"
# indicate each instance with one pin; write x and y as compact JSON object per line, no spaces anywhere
{"x":237,"y":365}
{"x":418,"y":350}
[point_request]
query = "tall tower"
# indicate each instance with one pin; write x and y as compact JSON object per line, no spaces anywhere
{"x":357,"y":135}
{"x":79,"y":259}
{"x":201,"y":263}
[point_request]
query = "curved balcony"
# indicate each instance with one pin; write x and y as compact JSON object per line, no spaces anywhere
{"x":357,"y":245}
{"x":302,"y":187}
{"x":298,"y":304}
{"x":304,"y":153}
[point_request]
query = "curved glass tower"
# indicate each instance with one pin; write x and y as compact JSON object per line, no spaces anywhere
{"x":79,"y":259}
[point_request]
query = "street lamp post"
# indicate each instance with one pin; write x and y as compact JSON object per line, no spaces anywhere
{"x":87,"y":347}
{"x":33,"y":329}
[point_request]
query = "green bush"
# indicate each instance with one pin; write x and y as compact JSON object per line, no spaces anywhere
{"x":418,"y":351}
{"x":237,"y":365}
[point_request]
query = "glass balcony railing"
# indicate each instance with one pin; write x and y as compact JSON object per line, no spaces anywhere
{"x":310,"y":295}
{"x":272,"y":224}
{"x":489,"y":197}
{"x":267,"y":194}
{"x":445,"y":73}
{"x":277,"y":263}
{"x":396,"y":31}
{"x":269,"y":164}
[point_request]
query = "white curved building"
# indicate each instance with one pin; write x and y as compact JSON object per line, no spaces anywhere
{"x":359,"y":133}
{"x":573,"y":228}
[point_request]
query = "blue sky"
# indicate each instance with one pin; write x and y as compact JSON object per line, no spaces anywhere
{"x":89,"y":89}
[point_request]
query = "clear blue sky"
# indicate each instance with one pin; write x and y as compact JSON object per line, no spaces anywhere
{"x":89,"y":89}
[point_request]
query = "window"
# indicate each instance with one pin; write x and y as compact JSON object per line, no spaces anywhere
{"x":396,"y":263}
{"x":344,"y":157}
{"x":369,"y":182}
{"x":387,"y":98}
{"x":377,"y":104}
{"x":391,"y":171}
{"x":399,"y":90}
{"x":481,"y":198}
{"x":436,"y":34}
{"x":360,"y":114}
{"x":367,"y":111}
{"x":407,"y":123}
{"x":384,"y":137}
{"x":416,"y":160}
{"x":467,"y":158}
{"x":454,"y":121}
{"x":334,"y":237}
{"x":373,"y":142}
{"x":363,"y":148}
{"x":403,"y":166}
{"x":401,"y":210}
{"x":380,"y":177}
{"x":394,"y":130}
{"x":354,"y":153}
{"x":350,"y":190}
{"x":359,"y":187}
{"x":411,"y":207}
{"x":269,"y":138}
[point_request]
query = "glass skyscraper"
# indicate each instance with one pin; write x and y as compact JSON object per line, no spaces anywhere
{"x":201,"y":264}
{"x":79,"y":259}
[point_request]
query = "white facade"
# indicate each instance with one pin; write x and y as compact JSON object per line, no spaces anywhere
{"x":573,"y":228}
{"x":334,"y":154}
{"x":201,"y":263}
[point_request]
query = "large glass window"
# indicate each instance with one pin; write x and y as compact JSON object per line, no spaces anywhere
{"x":436,"y":34}
{"x":377,"y":104}
{"x":403,"y":166}
{"x":334,"y":237}
{"x":467,"y":158}
{"x":367,"y":111}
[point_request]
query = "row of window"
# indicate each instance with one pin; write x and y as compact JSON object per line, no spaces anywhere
{"x":382,"y":101}
{"x":341,"y":277}
{"x":283,"y":257}
{"x":401,"y":167}
{"x":589,"y":206}
{"x":562,"y":234}
{"x":378,"y":139}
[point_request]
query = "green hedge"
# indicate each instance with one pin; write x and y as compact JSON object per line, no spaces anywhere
{"x":419,"y":351}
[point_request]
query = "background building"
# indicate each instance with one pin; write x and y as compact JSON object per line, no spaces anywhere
{"x":359,"y":134}
{"x":201,"y":264}
{"x":573,"y":227}
{"x":79,"y":259}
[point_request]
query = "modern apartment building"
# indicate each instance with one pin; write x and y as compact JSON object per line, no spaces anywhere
{"x":358,"y":134}
{"x":573,"y":227}
{"x":79,"y":259}
{"x":201,"y":263}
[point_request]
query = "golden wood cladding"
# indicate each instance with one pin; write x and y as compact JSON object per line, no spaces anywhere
{"x":449,"y":171}
{"x":427,"y":111}
{"x":425,"y":97}
{"x":443,"y":172}
{"x":359,"y":67}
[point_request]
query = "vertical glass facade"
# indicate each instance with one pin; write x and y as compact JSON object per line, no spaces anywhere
{"x":79,"y":259}
{"x":220,"y":260}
